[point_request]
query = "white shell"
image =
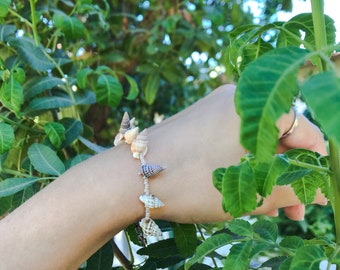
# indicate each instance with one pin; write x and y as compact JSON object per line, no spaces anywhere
{"x":132,"y":122}
{"x":151,"y":201}
{"x":125,"y":124}
{"x":149,"y":170}
{"x":149,"y":227}
{"x":118,"y":139}
{"x":140,"y":145}
{"x":130,"y":135}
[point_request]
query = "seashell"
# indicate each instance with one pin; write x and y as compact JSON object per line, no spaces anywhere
{"x":132,"y":122}
{"x":151,"y":201}
{"x":125,"y":124}
{"x":149,"y":227}
{"x":118,"y":139}
{"x":140,"y":237}
{"x":149,"y":170}
{"x":130,"y":135}
{"x":139,"y":145}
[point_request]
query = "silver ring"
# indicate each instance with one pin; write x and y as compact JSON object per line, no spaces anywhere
{"x":294,"y":125}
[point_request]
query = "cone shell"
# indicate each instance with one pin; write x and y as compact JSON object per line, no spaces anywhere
{"x":130,"y":135}
{"x":132,"y":122}
{"x":139,"y":145}
{"x":149,"y":227}
{"x":149,"y":170}
{"x":125,"y":124}
{"x":118,"y":139}
{"x":151,"y":201}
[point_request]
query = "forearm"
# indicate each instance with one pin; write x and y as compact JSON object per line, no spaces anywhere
{"x":70,"y":219}
{"x":67,"y":221}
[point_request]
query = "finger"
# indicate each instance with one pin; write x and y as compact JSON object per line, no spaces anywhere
{"x":295,"y":212}
{"x":273,"y":213}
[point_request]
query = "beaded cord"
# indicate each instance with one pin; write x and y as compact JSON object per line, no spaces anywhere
{"x":128,"y":133}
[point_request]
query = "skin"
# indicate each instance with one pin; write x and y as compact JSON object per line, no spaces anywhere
{"x":61,"y":226}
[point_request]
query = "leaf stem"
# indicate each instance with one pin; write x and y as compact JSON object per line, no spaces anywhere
{"x":319,"y":29}
{"x":11,"y":11}
{"x":34,"y":23}
{"x":309,"y":166}
{"x":120,"y":256}
{"x":335,"y":182}
{"x":199,"y":229}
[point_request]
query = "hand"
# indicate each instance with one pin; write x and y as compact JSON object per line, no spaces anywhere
{"x":305,"y":135}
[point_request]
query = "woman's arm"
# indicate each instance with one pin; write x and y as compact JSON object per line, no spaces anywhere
{"x":65,"y":223}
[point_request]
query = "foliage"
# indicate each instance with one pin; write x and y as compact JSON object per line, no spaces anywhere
{"x":268,"y":84}
{"x":68,"y":69}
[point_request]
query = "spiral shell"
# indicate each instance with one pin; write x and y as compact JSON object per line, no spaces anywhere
{"x":151,"y":201}
{"x":149,"y":170}
{"x":125,"y":124}
{"x":130,"y":135}
{"x":132,"y":122}
{"x":139,"y":145}
{"x":118,"y":139}
{"x":149,"y":227}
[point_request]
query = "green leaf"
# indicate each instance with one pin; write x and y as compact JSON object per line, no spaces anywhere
{"x":85,"y":97}
{"x":149,"y":265}
{"x":6,"y":31}
{"x":185,"y":238}
{"x":45,"y":160}
{"x":292,"y":243}
{"x":245,"y":46}
{"x":73,"y":129}
{"x":11,"y":95}
{"x":308,"y":257}
{"x":292,"y":30}
{"x":4,"y":7}
{"x":285,"y":265}
{"x":32,"y":55}
{"x":264,"y":93}
{"x":322,"y":95}
{"x":6,"y":137}
{"x":22,"y":196}
{"x":267,"y":174}
{"x":266,"y":229}
{"x":241,"y":227}
{"x":5,"y":204}
{"x":10,"y":186}
{"x":274,"y":263}
{"x":94,"y":147}
{"x":71,"y":27}
{"x":209,"y":245}
{"x":55,"y":132}
{"x":133,"y":91}
{"x":217,"y":176}
{"x":18,"y":74}
{"x":299,"y":159}
{"x":305,"y":188}
{"x":47,"y":103}
{"x":239,"y":190}
{"x":82,"y":77}
{"x":150,"y":86}
{"x":239,"y":256}
{"x":37,"y":85}
{"x":108,"y":90}
{"x":102,"y":259}
{"x":158,"y":249}
{"x":77,"y":159}
{"x":200,"y":266}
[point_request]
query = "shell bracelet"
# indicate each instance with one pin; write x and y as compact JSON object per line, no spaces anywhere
{"x":129,"y":134}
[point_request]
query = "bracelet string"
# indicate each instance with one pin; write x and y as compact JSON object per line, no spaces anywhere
{"x":138,"y":142}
